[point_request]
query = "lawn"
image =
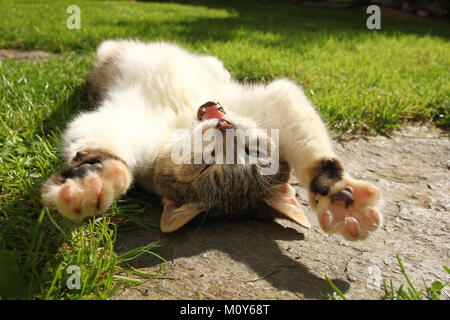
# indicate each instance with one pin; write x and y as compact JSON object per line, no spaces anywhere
{"x":362,"y":81}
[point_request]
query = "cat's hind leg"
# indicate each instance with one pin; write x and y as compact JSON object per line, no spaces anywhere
{"x":343,"y":204}
{"x":88,"y":186}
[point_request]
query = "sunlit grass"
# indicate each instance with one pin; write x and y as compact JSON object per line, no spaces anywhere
{"x":360,"y":80}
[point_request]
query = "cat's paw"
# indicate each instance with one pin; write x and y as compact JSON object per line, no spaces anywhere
{"x":349,"y":209}
{"x":87,"y":188}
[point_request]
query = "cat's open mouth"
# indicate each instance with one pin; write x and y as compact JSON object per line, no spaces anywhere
{"x":213,"y":110}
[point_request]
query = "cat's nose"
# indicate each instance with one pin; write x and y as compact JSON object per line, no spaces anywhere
{"x":224,"y":124}
{"x":210,"y":110}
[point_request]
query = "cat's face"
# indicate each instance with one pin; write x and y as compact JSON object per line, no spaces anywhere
{"x":225,"y":165}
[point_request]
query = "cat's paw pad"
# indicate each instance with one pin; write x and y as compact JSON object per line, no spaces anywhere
{"x":350,"y":209}
{"x":88,"y":189}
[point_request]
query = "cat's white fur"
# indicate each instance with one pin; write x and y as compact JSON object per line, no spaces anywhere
{"x":161,"y":89}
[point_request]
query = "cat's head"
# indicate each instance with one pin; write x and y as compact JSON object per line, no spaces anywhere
{"x":225,"y":166}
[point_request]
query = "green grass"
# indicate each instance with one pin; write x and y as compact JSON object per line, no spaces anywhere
{"x":36,"y":246}
{"x":435,"y":291}
{"x":408,"y":291}
{"x":361,"y":80}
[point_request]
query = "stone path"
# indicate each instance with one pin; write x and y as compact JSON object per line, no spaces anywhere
{"x":267,"y":260}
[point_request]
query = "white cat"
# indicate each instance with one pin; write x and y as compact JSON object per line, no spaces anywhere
{"x":145,"y":91}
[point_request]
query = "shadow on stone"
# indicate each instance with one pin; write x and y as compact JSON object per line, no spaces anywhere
{"x":252,"y":243}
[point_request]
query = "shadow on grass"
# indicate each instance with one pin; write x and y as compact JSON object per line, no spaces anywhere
{"x":64,"y":112}
{"x":294,"y":26}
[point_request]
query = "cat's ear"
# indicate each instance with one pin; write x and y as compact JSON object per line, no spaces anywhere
{"x":282,"y":198}
{"x":174,"y":216}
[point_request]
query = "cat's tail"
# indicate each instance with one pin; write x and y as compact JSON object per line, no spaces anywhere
{"x":104,"y":72}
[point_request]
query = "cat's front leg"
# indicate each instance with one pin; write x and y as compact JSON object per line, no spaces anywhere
{"x":87,"y":187}
{"x":343,"y":204}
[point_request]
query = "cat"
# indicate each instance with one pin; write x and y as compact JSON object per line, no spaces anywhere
{"x":143,"y":94}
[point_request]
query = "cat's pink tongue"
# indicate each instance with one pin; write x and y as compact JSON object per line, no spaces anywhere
{"x":212,"y":112}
